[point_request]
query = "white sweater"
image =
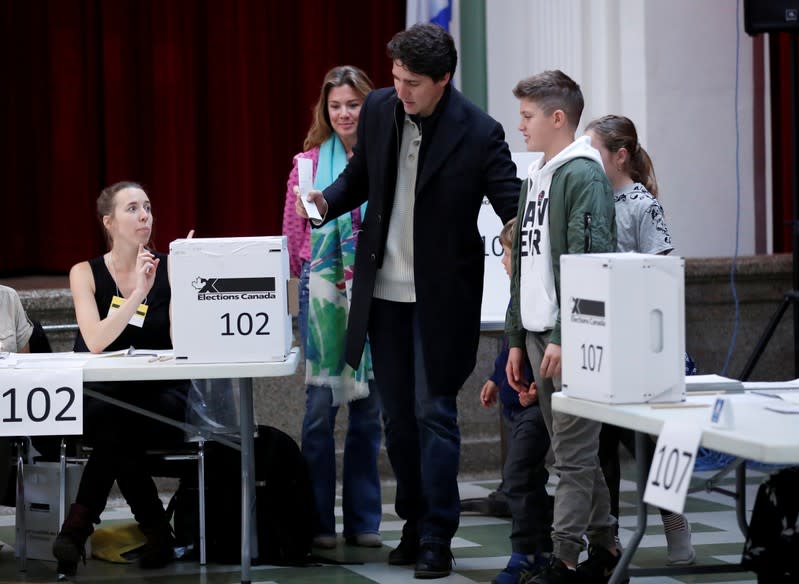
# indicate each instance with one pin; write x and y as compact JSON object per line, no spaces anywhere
{"x":395,"y":279}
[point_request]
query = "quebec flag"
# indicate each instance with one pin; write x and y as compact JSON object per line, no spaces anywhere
{"x":436,"y":11}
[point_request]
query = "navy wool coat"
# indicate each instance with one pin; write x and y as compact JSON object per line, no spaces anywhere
{"x":466,"y":159}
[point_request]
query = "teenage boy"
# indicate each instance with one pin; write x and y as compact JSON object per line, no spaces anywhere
{"x":566,"y":206}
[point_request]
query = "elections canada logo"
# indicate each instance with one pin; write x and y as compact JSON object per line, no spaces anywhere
{"x":591,"y":312}
{"x":234,"y":288}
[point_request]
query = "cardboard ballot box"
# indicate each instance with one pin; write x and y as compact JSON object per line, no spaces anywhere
{"x":623,"y":327}
{"x":42,"y":505}
{"x":229,"y":299}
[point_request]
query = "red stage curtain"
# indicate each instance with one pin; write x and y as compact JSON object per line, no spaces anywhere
{"x":204,"y":102}
{"x":782,"y":127}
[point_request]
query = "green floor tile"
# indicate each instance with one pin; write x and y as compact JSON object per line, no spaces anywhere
{"x":481,"y":551}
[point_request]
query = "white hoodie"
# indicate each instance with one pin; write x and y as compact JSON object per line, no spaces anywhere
{"x":538,"y":297}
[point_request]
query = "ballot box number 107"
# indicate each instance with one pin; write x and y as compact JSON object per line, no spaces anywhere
{"x":244,"y":324}
{"x":591,"y":357}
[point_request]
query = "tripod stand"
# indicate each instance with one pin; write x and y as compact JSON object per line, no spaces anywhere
{"x":791,"y":298}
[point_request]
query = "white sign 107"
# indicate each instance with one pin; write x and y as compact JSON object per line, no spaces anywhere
{"x":41,"y":402}
{"x":672,"y":466}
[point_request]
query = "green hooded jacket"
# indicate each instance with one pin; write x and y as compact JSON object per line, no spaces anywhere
{"x":582,"y":219}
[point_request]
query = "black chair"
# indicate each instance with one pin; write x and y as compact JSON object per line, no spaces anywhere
{"x":13,"y":472}
{"x":38,"y":342}
{"x":166,"y":461}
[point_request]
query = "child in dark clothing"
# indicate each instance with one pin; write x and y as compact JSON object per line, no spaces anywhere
{"x":524,"y":474}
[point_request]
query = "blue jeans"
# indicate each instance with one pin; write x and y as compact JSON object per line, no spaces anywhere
{"x":362,"y":504}
{"x":361,"y":500}
{"x":302,"y":315}
{"x":422,"y":435}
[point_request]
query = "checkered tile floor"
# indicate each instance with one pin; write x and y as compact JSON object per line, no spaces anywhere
{"x":480,"y":548}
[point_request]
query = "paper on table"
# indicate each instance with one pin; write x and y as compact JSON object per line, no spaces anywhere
{"x":783,"y":408}
{"x":134,"y":353}
{"x":766,"y":387}
{"x":305,"y":171}
{"x":787,"y":391}
{"x":8,"y":360}
{"x":152,"y":355}
{"x":51,"y":360}
{"x":791,"y":397}
{"x":712,"y":382}
{"x":72,"y":359}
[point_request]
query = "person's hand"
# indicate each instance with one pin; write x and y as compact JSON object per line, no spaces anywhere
{"x":529,"y":396}
{"x":514,"y":368}
{"x":190,"y":234}
{"x":146,"y":267}
{"x":550,"y":364}
{"x":488,"y":395}
{"x":315,"y":197}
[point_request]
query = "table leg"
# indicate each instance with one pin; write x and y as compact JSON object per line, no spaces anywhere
{"x":249,"y":538}
{"x":642,"y":470}
{"x":740,"y":497}
{"x":21,"y":527}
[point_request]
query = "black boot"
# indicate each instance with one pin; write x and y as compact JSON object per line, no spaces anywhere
{"x":70,"y":544}
{"x":435,"y":561}
{"x":160,"y":547}
{"x":406,"y":553}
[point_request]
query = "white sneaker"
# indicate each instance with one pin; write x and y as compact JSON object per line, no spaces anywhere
{"x":680,"y":552}
{"x":325,"y":542}
{"x":368,"y":540}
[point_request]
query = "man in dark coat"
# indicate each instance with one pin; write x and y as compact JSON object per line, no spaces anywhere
{"x":424,"y":159}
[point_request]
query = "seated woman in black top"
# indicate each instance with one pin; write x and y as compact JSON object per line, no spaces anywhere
{"x":122,"y":300}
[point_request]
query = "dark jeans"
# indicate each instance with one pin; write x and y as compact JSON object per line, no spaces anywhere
{"x":524,"y":482}
{"x":119,"y":440}
{"x":422,"y":435}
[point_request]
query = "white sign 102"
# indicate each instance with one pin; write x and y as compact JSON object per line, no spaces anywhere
{"x":41,"y":402}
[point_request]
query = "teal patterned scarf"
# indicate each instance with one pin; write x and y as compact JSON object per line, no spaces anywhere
{"x":330,"y":288}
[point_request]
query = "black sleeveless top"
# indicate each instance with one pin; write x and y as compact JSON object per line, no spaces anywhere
{"x":165,"y":397}
{"x":154,"y":334}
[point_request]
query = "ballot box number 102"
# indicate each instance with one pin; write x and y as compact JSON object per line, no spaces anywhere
{"x":244,"y":324}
